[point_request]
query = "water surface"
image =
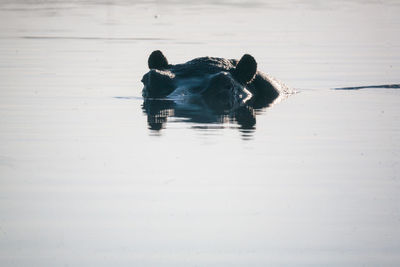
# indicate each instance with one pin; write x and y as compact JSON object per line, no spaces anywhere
{"x":85,"y":182}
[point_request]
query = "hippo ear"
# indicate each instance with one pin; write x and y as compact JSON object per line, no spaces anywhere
{"x":245,"y":69}
{"x":157,"y":60}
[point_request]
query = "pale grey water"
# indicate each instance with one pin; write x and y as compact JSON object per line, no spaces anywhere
{"x":84,"y":182}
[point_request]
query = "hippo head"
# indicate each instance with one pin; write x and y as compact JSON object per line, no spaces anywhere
{"x":221,"y":83}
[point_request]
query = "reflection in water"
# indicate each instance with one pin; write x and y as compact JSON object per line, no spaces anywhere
{"x":196,"y":112}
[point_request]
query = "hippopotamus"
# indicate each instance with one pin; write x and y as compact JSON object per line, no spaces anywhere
{"x":213,"y":87}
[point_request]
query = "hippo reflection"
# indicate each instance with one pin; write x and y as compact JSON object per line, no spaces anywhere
{"x":207,"y":90}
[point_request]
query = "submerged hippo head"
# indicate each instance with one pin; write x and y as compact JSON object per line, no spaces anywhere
{"x":206,"y":90}
{"x":221,"y":83}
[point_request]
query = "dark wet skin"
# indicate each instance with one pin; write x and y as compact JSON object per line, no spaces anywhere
{"x":205,"y":90}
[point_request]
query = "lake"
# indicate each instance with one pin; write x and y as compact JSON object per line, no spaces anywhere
{"x":85,"y":182}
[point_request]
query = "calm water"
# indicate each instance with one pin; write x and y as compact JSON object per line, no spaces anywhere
{"x":84,"y":182}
